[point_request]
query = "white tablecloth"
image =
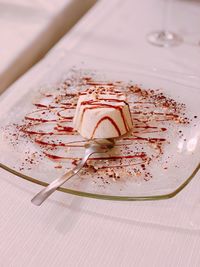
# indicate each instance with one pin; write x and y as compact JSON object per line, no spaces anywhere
{"x":117,"y":30}
{"x":29,"y":28}
{"x":73,"y":231}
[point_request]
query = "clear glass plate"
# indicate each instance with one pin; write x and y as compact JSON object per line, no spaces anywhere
{"x":157,"y":161}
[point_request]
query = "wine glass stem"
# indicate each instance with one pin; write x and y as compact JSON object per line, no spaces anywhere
{"x":166,"y":15}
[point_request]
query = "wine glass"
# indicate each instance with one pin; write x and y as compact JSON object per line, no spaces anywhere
{"x":165,"y":37}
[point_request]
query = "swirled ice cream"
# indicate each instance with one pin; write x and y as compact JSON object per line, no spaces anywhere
{"x":101,"y":113}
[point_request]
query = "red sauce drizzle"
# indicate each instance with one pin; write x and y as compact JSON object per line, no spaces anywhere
{"x":111,"y":121}
{"x":148,"y":123}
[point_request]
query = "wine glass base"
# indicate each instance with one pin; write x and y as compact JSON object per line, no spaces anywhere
{"x":164,"y":38}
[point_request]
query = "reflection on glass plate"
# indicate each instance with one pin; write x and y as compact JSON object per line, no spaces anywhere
{"x":155,"y":161}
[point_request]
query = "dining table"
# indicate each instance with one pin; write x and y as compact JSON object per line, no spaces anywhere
{"x":72,"y":230}
{"x":29,"y":29}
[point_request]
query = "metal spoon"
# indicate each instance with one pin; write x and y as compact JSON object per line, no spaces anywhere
{"x":94,"y":146}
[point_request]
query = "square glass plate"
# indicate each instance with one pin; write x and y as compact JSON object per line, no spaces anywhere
{"x":156,"y":161}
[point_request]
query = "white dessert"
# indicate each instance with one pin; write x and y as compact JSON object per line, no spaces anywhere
{"x":101,"y":113}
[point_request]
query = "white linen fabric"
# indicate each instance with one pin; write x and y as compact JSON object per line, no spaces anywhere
{"x":119,"y":30}
{"x":28,"y":29}
{"x":74,"y":231}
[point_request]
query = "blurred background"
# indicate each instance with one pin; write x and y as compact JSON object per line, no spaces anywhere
{"x":149,"y":32}
{"x":28,"y":29}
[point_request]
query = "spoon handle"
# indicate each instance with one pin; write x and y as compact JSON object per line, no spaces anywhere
{"x":47,"y":191}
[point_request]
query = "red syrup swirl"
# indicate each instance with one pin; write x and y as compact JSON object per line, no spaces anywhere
{"x":141,"y":155}
{"x":111,"y":121}
{"x":150,"y":109}
{"x":103,"y":105}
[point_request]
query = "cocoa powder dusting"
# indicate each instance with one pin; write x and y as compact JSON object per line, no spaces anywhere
{"x":48,"y":126}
